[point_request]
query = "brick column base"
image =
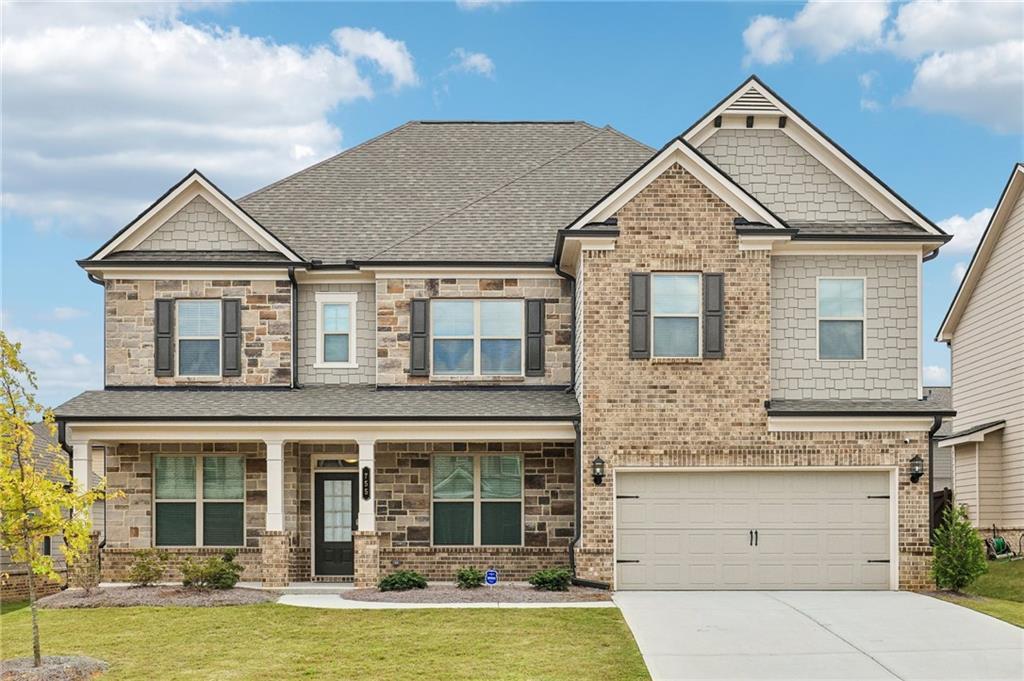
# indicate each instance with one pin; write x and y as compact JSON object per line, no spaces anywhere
{"x":595,"y":565}
{"x":274,"y":565}
{"x":367,"y":550}
{"x":85,"y":571}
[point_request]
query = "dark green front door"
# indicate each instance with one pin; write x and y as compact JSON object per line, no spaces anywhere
{"x":336,"y":514}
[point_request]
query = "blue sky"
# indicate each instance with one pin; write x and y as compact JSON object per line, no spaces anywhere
{"x":105,"y":106}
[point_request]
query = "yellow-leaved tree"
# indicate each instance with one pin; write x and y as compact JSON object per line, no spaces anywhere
{"x":36,"y":501}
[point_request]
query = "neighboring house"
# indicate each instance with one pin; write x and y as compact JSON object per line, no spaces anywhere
{"x":524,"y":345}
{"x":984,"y":329}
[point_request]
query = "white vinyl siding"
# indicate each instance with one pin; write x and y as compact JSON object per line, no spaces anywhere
{"x":988,"y":363}
{"x":965,"y":482}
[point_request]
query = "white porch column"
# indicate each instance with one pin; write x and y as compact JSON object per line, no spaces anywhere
{"x":81,"y":464}
{"x":275,"y":485}
{"x":367,"y":510}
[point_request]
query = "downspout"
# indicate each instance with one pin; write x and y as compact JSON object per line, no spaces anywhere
{"x":936,"y":424}
{"x":295,"y":327}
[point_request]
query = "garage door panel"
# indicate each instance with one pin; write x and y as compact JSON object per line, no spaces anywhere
{"x":815,"y":530}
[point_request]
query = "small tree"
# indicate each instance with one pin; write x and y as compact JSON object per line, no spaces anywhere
{"x":959,"y":552}
{"x":35,"y":503}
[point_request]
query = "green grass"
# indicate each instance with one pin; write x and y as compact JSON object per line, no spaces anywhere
{"x":999,"y":592}
{"x":276,"y":641}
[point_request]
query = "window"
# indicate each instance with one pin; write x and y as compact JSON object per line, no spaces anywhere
{"x":477,"y":500}
{"x":335,"y":324}
{"x":477,"y":337}
{"x":675,"y":315}
{"x":840,"y":318}
{"x":199,"y":501}
{"x":47,"y":547}
{"x":199,"y":333}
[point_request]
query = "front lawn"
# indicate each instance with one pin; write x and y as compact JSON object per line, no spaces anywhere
{"x":277,"y":641}
{"x":999,"y":592}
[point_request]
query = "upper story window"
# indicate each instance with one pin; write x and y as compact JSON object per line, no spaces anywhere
{"x":199,"y":337}
{"x":675,"y":314}
{"x":199,"y":501}
{"x":840,"y":318}
{"x":335,"y":330}
{"x":477,"y":337}
{"x":477,"y":500}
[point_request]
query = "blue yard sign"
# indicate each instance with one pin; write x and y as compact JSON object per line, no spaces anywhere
{"x":491,"y":577}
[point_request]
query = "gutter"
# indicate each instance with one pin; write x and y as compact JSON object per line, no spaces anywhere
{"x":295,"y":327}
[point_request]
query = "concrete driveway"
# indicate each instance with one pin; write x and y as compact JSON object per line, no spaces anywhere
{"x":818,"y":635}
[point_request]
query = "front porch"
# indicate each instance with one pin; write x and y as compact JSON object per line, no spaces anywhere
{"x":330,"y":506}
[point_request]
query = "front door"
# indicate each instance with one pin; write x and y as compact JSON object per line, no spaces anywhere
{"x":336,"y":512}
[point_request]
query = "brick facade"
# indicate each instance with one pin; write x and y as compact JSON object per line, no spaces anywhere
{"x":393,"y":296}
{"x":703,"y":412}
{"x":129,"y":333}
{"x":14,"y":587}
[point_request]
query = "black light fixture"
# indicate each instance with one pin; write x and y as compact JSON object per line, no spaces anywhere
{"x":597,"y":470}
{"x":916,"y":468}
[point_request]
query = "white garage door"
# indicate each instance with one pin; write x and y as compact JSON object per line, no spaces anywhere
{"x":752,"y":530}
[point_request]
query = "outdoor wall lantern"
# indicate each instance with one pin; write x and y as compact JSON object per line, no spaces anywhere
{"x":597,"y":470}
{"x":916,"y":468}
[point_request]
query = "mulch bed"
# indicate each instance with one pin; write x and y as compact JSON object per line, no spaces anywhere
{"x":55,"y":668}
{"x":505,"y":593}
{"x":127,"y":597}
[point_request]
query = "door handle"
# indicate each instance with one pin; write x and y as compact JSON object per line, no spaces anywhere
{"x":755,"y":537}
{"x":751,"y":537}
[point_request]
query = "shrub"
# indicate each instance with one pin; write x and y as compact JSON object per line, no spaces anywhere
{"x":556,"y":579}
{"x":212,"y":573}
{"x":84,"y":573}
{"x":403,"y":580}
{"x":959,"y":554}
{"x":469,"y":578}
{"x":148,"y":568}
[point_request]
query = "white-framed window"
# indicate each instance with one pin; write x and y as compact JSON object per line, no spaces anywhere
{"x":198,"y":337}
{"x":335,"y":330}
{"x":477,"y":500}
{"x":198,"y":500}
{"x":675,"y":314}
{"x":840,"y":309}
{"x":476,"y":337}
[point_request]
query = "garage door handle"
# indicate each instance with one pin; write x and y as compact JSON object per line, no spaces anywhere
{"x":755,"y":537}
{"x":879,"y":561}
{"x":627,"y":561}
{"x":627,"y":496}
{"x":751,"y":537}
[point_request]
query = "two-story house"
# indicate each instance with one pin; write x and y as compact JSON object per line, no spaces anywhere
{"x":524,"y":345}
{"x":984,"y":328}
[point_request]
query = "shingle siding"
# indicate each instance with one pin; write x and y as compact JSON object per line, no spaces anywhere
{"x":198,"y":226}
{"x":785,"y":177}
{"x":366,"y":336}
{"x":889,"y":370}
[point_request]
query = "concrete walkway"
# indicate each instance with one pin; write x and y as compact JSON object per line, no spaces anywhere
{"x":818,"y":635}
{"x":337,"y":602}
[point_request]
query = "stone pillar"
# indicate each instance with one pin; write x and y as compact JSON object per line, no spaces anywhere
{"x":274,"y":567}
{"x":85,"y":571}
{"x":275,"y":485}
{"x":81,"y":464}
{"x":367,"y":512}
{"x":367,"y":550}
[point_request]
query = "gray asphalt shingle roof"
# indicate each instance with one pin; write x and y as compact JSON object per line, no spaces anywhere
{"x":335,"y":402}
{"x":839,"y":407}
{"x":941,"y":395}
{"x":461,"y":191}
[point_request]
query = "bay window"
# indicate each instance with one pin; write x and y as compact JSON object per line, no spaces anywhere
{"x":477,"y":337}
{"x":199,"y":501}
{"x":675,"y":314}
{"x":840,"y":318}
{"x":477,"y":500}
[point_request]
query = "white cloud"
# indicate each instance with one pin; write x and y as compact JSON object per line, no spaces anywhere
{"x":867,"y":84}
{"x":61,"y":313}
{"x":958,"y":272}
{"x":473,"y":62}
{"x":471,"y":5}
{"x":60,"y":370}
{"x":936,"y":375}
{"x":106,"y":105}
{"x":968,"y":56}
{"x":966,"y":231}
{"x":822,"y":28}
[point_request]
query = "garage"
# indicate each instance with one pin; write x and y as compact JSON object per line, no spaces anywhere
{"x":753,"y":529}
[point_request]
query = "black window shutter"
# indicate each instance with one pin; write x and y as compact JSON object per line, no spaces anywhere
{"x":231,"y":332}
{"x":163,"y":312}
{"x":419,"y":338}
{"x":714,"y":316}
{"x":535,"y":337}
{"x":639,"y":315}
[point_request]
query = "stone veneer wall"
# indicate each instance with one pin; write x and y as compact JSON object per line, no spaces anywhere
{"x":698,"y":412}
{"x":198,"y":226}
{"x":889,"y":368}
{"x":366,"y":336}
{"x":393,"y":296}
{"x":773,"y":167}
{"x":266,"y":328}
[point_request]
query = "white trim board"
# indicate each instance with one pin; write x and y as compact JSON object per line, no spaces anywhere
{"x":976,"y":437}
{"x":815,"y":143}
{"x":193,"y":184}
{"x":849,"y":424}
